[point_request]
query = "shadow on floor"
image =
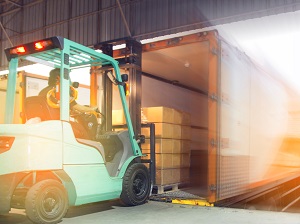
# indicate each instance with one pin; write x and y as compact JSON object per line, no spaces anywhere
{"x":18,"y":216}
{"x":92,"y":208}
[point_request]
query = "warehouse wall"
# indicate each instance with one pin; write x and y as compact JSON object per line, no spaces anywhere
{"x":91,"y":21}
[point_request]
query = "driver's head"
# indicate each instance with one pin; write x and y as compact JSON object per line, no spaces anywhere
{"x":53,"y":76}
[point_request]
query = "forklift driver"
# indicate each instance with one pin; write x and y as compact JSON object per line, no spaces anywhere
{"x":84,"y":115}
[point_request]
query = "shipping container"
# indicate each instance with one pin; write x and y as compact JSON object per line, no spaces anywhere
{"x":242,"y":141}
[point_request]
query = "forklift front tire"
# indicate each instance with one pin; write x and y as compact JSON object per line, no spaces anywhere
{"x":46,"y":202}
{"x":136,"y":185}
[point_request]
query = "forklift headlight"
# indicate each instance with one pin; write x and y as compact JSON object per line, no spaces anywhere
{"x":6,"y":143}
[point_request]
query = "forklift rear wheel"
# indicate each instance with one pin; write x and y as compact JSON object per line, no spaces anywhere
{"x":46,"y":202}
{"x":136,"y":185}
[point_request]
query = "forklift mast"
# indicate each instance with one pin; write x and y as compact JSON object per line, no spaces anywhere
{"x":129,"y":59}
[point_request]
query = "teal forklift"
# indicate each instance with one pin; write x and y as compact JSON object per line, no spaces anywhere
{"x":62,"y":157}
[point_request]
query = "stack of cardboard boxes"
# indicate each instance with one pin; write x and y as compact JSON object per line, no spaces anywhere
{"x":173,"y":142}
{"x":172,"y":148}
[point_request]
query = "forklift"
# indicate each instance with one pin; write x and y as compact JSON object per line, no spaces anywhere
{"x":61,"y":157}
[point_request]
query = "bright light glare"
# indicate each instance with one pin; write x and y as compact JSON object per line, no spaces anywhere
{"x":38,"y":45}
{"x":79,"y":75}
{"x":282,"y":57}
{"x":20,"y":50}
{"x":37,"y":69}
{"x":272,"y":42}
{"x":17,"y":50}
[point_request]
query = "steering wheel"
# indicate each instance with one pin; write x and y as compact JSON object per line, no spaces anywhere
{"x":88,"y":118}
{"x":54,"y":103}
{"x":89,"y":112}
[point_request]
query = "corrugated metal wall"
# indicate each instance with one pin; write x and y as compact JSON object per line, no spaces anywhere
{"x":92,"y":21}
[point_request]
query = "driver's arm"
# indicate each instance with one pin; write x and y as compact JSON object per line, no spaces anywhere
{"x":83,"y":109}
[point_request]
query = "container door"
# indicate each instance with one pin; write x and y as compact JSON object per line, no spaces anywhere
{"x":213,"y":96}
{"x":233,"y":156}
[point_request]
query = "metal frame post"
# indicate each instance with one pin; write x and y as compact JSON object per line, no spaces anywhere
{"x":107,"y":91}
{"x":11,"y":91}
{"x":133,"y":56}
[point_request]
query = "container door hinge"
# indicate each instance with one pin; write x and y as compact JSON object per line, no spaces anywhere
{"x":214,"y":51}
{"x":214,"y":142}
{"x":212,"y":187}
{"x":214,"y":97}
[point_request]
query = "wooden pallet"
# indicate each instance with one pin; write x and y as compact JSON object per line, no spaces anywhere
{"x":165,"y":188}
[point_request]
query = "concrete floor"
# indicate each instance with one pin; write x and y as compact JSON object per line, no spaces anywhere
{"x":160,"y":212}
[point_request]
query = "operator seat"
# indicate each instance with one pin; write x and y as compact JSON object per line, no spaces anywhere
{"x":37,"y":106}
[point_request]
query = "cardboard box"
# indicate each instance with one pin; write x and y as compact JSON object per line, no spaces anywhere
{"x":186,"y":118}
{"x":167,"y":176}
{"x":185,"y":175}
{"x":165,"y":115}
{"x":172,"y":176}
{"x":186,"y":132}
{"x":185,"y":160}
{"x":155,"y":115}
{"x":159,"y":114}
{"x":177,"y":116}
{"x":164,"y":130}
{"x":185,"y":146}
{"x":163,"y":145}
{"x":169,"y":160}
{"x":166,"y":145}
